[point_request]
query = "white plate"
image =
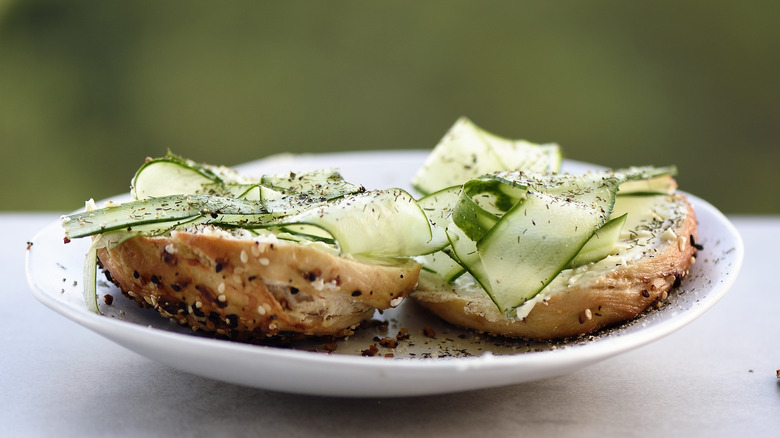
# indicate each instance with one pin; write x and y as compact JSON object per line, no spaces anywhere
{"x":452,"y":360}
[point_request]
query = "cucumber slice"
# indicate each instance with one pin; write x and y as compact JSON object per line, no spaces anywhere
{"x":661,"y":185}
{"x":601,"y":244}
{"x":466,"y":253}
{"x":459,"y":156}
{"x":381,"y":223}
{"x":481,"y":204}
{"x":551,"y":228}
{"x":438,"y":208}
{"x":534,"y":242}
{"x":524,"y":155}
{"x":442,"y":263}
{"x":170,"y":210}
{"x":164,"y":177}
{"x":377,"y":223}
{"x":281,"y":204}
{"x":467,"y":151}
{"x":308,"y":232}
{"x":323,"y":184}
{"x":172,"y":175}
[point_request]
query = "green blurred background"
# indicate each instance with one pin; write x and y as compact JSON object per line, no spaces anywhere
{"x":88,"y":89}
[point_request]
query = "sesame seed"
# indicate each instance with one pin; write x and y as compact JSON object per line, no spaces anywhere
{"x":221,"y":288}
{"x":244,"y":256}
{"x":264,"y":261}
{"x":222,"y":298}
{"x":261,"y":310}
{"x":587,"y":315}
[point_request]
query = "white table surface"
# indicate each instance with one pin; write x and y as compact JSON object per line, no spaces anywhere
{"x":715,"y":377}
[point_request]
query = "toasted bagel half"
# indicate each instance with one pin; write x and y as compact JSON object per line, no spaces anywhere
{"x":657,"y":249}
{"x":248,"y":288}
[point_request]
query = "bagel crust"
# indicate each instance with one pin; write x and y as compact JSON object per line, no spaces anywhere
{"x":580,"y":303}
{"x":248,"y":289}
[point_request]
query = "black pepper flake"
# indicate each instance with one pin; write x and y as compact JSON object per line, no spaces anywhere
{"x":696,"y":245}
{"x":136,"y":275}
{"x":357,"y":293}
{"x":645,"y":293}
{"x":155,"y":280}
{"x":108,"y":299}
{"x":218,"y":268}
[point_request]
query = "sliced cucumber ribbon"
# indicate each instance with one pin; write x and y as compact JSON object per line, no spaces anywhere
{"x":467,"y":151}
{"x":534,"y":242}
{"x":514,"y":232}
{"x":174,"y":175}
{"x":381,"y":223}
{"x":169,"y":210}
{"x":481,"y":204}
{"x":385,"y":223}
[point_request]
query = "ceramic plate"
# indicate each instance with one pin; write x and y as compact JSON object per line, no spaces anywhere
{"x":434,"y":358}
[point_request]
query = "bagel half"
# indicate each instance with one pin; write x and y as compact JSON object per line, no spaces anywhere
{"x":250,"y":288}
{"x":657,"y":248}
